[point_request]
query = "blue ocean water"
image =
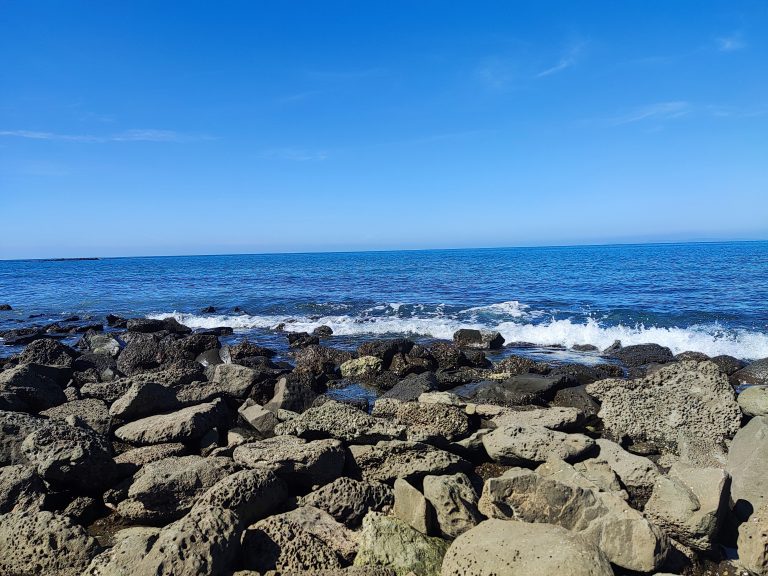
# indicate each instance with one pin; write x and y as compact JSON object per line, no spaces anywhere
{"x":709,"y":297}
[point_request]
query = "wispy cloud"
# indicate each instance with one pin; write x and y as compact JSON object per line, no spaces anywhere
{"x":730,"y":43}
{"x":136,"y":135}
{"x":568,"y":59}
{"x":295,"y":154}
{"x":496,"y":73}
{"x":657,"y":111}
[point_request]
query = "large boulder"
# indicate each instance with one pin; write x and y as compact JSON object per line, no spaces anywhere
{"x":387,"y":541}
{"x":413,"y":508}
{"x":637,"y":473}
{"x":89,"y":411}
{"x":686,"y":408}
{"x":557,"y":418}
{"x":622,"y":533}
{"x":185,"y":425}
{"x":71,"y":457}
{"x":320,"y":360}
{"x":689,"y":504}
{"x":754,"y":373}
{"x":642,"y":354}
{"x":21,"y":489}
{"x":43,"y":543}
{"x":431,"y":422}
{"x":411,"y":387}
{"x":389,"y":460}
{"x":518,"y":444}
{"x":130,"y":461}
{"x":99,"y":343}
{"x":259,"y":418}
{"x":14,"y":428}
{"x":349,"y":500}
{"x":251,"y":494}
{"x":748,"y":467}
{"x":455,"y":503}
{"x":753,"y":400}
{"x":513,"y":548}
{"x":144,"y":399}
{"x":341,"y":421}
{"x":131,"y":546}
{"x":291,"y":393}
{"x":519,"y":390}
{"x":478,"y":339}
{"x":165,"y":490}
{"x":363,"y":368}
{"x":300,"y":463}
{"x":238,"y":381}
{"x":752,"y":543}
{"x":142,"y":353}
{"x":32,"y":385}
{"x":48,"y":352}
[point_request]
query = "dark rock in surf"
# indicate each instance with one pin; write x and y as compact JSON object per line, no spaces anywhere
{"x":5,"y":307}
{"x":754,"y":373}
{"x":301,"y":339}
{"x":48,"y":352}
{"x":478,"y":339}
{"x":208,"y":310}
{"x":385,"y":349}
{"x":323,"y":331}
{"x":642,"y":354}
{"x":116,"y":321}
{"x":728,"y":364}
{"x":585,"y":348}
{"x":246,"y":349}
{"x":410,"y":388}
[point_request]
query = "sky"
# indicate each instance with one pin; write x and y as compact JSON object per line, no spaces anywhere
{"x":151,"y":128}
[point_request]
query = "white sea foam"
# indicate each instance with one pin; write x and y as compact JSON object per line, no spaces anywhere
{"x":710,"y":339}
{"x":511,"y":308}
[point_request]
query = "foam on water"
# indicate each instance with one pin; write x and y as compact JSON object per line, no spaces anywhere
{"x":710,"y":339}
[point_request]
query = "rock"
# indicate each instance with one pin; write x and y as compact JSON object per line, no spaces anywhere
{"x":748,"y":467}
{"x":84,"y":510}
{"x":92,"y":412}
{"x":109,"y":392}
{"x":362,"y":368}
{"x":21,"y":490}
{"x":144,"y":399}
{"x":728,"y":364}
{"x":624,"y":536}
{"x":754,"y":373}
{"x":300,"y":463}
{"x":208,"y":310}
{"x":43,"y":543}
{"x":70,"y":457}
{"x":260,"y":419}
{"x":246,"y":349}
{"x":411,"y":387}
{"x":147,"y":325}
{"x":385,"y":349}
{"x":552,"y":418}
{"x":579,"y":374}
{"x":210,"y":357}
{"x":478,"y":339}
{"x":752,"y":542}
{"x":131,"y":545}
{"x":417,"y":360}
{"x":116,"y":321}
{"x":591,"y":474}
{"x":433,"y":423}
{"x":577,"y":397}
{"x":454,"y":501}
{"x":753,"y":400}
{"x":637,"y":473}
{"x":343,"y":422}
{"x":348,"y":500}
{"x":165,"y":490}
{"x":48,"y":352}
{"x":323,"y":331}
{"x":585,"y":348}
{"x":235,"y":380}
{"x":14,"y":428}
{"x":389,"y":542}
{"x":413,"y":508}
{"x":689,"y":504}
{"x":513,"y":548}
{"x":142,"y":353}
{"x":5,"y":307}
{"x":185,"y":425}
{"x":519,"y":390}
{"x":129,"y":462}
{"x":251,"y":494}
{"x":641,"y":354}
{"x":320,"y":360}
{"x":32,"y":386}
{"x":99,"y":343}
{"x":304,"y":539}
{"x":448,"y":356}
{"x":291,"y":394}
{"x":387,"y":461}
{"x":301,"y":339}
{"x":514,"y":365}
{"x":691,"y":355}
{"x":98,"y":367}
{"x":685,"y":408}
{"x":515,"y":444}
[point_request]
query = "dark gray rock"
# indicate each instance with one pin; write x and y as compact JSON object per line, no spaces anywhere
{"x":411,"y":387}
{"x":301,"y":339}
{"x":641,"y":354}
{"x":754,"y":373}
{"x":292,"y":393}
{"x":728,"y":364}
{"x":90,"y":411}
{"x":31,"y":385}
{"x":21,"y":490}
{"x":518,"y":390}
{"x":350,"y":500}
{"x":144,"y":399}
{"x":478,"y":339}
{"x":48,"y":352}
{"x":14,"y":427}
{"x":251,"y":494}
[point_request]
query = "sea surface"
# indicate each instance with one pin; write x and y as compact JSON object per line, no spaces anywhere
{"x":708,"y":297}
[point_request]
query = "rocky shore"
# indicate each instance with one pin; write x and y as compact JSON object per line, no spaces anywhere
{"x":151,"y":449}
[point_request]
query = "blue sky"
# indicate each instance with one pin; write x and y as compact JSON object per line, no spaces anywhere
{"x":133,"y":128}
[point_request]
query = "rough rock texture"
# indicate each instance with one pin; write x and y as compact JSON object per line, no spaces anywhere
{"x":235,"y":380}
{"x":165,"y":490}
{"x":259,"y":418}
{"x":362,"y":368}
{"x":386,"y":461}
{"x":641,"y":354}
{"x":343,"y":422}
{"x":413,"y":508}
{"x":350,"y":500}
{"x":129,"y":462}
{"x":185,"y":425}
{"x":411,"y":387}
{"x":251,"y":494}
{"x":455,"y":503}
{"x":43,"y":543}
{"x":387,"y":541}
{"x":512,"y":548}
{"x":686,"y":408}
{"x":748,"y":467}
{"x":144,"y":399}
{"x":33,"y":388}
{"x":689,"y":504}
{"x":300,"y":463}
{"x":90,"y":411}
{"x":637,"y":473}
{"x":558,"y":418}
{"x":131,"y":546}
{"x":71,"y":457}
{"x":752,"y":542}
{"x":21,"y":490}
{"x":516,"y":444}
{"x":478,"y":339}
{"x":431,"y":422}
{"x":291,"y":394}
{"x":754,"y":401}
{"x":48,"y":352}
{"x":304,"y":539}
{"x":14,"y":428}
{"x":625,"y":537}
{"x":519,"y":390}
{"x":591,"y":474}
{"x":754,"y":373}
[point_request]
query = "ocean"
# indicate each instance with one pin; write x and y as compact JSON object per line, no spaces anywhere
{"x":707,"y":297}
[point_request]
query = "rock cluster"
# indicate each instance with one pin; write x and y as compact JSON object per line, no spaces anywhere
{"x":154,"y":450}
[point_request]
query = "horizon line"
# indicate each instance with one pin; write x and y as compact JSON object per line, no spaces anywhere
{"x":383,"y":250}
